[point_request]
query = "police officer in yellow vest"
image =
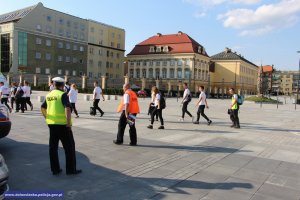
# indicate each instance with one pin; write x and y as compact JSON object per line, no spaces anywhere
{"x":234,"y":106}
{"x":128,"y":106}
{"x":56,"y":110}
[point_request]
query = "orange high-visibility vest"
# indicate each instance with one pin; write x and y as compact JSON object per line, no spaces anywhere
{"x":133,"y":106}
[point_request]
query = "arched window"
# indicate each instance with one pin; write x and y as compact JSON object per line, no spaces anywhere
{"x":164,"y":73}
{"x":179,"y":73}
{"x":150,"y":73}
{"x":157,"y":75}
{"x":187,"y":73}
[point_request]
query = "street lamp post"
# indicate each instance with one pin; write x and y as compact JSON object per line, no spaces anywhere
{"x":298,"y":83}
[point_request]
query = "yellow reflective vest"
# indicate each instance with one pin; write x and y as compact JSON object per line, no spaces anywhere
{"x":55,"y":109}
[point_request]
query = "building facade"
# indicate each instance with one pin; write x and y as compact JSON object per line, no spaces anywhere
{"x":40,"y":40}
{"x":232,"y":70}
{"x":265,"y":76}
{"x":168,"y":61}
{"x":285,"y":82}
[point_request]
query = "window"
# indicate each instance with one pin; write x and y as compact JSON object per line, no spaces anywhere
{"x":38,"y":27}
{"x":22,"y":47}
{"x":75,"y":48}
{"x":74,"y":60}
{"x":74,"y":73}
{"x":118,"y":46}
{"x":67,"y":59}
{"x":38,"y":55}
{"x":61,"y":21}
{"x":186,"y":73}
{"x":75,"y":25}
{"x":179,"y":62}
{"x":111,"y":65}
{"x":166,"y":49}
{"x":157,"y":63}
{"x":61,"y":32}
{"x":67,"y":73}
{"x":158,"y":49}
{"x":151,"y":63}
{"x":99,"y":63}
{"x":100,"y":52}
{"x":91,"y":50}
{"x":75,"y":35}
{"x":107,"y":64}
{"x":172,"y":63}
{"x":68,"y":46}
{"x":82,"y":27}
{"x":59,"y":72}
{"x":68,"y":23}
{"x":137,"y":73}
{"x":48,"y":43}
{"x":82,"y":36}
{"x":107,"y":53}
{"x":152,"y":50}
{"x":138,"y":63}
{"x":81,"y":48}
{"x":60,"y":58}
{"x":37,"y":70}
{"x":81,"y":61}
{"x":47,"y":71}
{"x":144,"y":63}
{"x":60,"y":45}
{"x":68,"y":34}
{"x":112,"y":44}
{"x":171,"y":73}
{"x":179,"y":73}
{"x":99,"y":75}
{"x":131,"y":73}
{"x":38,"y":41}
{"x":90,"y":74}
{"x":101,"y":42}
{"x":131,"y":63}
{"x":49,"y":18}
{"x":144,"y":73}
{"x":165,"y":63}
{"x":48,"y":56}
{"x":112,"y":54}
{"x":157,"y":73}
{"x":164,"y":73}
{"x":113,"y":35}
{"x":150,"y":73}
{"x":80,"y":73}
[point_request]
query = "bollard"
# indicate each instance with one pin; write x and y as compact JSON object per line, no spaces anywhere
{"x":41,"y":98}
{"x":86,"y":97}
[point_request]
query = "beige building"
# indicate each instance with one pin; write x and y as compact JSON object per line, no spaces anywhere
{"x":286,"y":82}
{"x":232,"y":70}
{"x":168,"y":61}
{"x":106,"y":47}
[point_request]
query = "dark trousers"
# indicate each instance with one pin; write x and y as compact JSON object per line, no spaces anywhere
{"x":150,"y":110}
{"x":96,"y":106}
{"x":184,"y":109}
{"x":121,"y":129}
{"x":234,"y":116}
{"x":27,"y":101}
{"x":20,"y":104}
{"x":156,"y":112}
{"x":65,"y":135}
{"x":73,"y":107}
{"x":201,"y":111}
{"x":4,"y":101}
{"x":12,"y":102}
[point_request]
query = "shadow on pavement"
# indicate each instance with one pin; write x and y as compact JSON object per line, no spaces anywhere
{"x":30,"y":171}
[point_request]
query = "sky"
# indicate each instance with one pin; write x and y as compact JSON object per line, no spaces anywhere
{"x":265,"y":32}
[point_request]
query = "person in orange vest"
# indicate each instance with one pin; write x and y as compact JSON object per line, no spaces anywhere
{"x":129,"y":108}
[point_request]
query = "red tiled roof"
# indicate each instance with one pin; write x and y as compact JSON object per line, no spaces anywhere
{"x":267,"y":68}
{"x":177,"y":43}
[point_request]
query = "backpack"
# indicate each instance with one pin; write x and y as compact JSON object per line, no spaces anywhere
{"x":189,"y":98}
{"x":67,"y":88}
{"x":240,"y":100}
{"x":19,"y":93}
{"x":162,"y":101}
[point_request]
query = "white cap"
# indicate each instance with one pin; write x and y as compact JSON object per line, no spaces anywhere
{"x":58,"y":80}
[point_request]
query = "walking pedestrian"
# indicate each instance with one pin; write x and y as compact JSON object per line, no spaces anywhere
{"x":27,"y":90}
{"x":234,"y":106}
{"x":97,"y":93}
{"x":4,"y":95}
{"x":157,"y":109}
{"x":202,"y":103}
{"x":186,"y":99}
{"x":13,"y":91}
{"x":151,"y":106}
{"x":56,"y":111}
{"x":73,"y":98}
{"x":129,"y":108}
{"x":20,"y":98}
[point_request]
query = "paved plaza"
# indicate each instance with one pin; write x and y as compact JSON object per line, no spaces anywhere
{"x":260,"y":161}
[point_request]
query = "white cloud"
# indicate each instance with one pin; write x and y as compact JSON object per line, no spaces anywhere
{"x":210,"y":3}
{"x":264,"y":19}
{"x":246,"y":1}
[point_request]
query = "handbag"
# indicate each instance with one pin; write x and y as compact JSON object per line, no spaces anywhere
{"x":229,"y":111}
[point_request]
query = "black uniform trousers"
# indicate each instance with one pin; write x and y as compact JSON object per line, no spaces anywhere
{"x":121,"y":129}
{"x":27,"y":101}
{"x":184,"y":109}
{"x":20,"y":103}
{"x":4,"y":101}
{"x":201,"y":111}
{"x":12,"y":101}
{"x":96,"y":106}
{"x":234,"y":116}
{"x":65,"y":135}
{"x":156,"y":112}
{"x":73,"y":108}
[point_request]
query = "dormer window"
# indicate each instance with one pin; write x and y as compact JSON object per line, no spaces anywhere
{"x":166,"y":49}
{"x":158,"y":49}
{"x":200,"y":49}
{"x":152,"y":50}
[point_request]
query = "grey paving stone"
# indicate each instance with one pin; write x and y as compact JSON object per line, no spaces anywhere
{"x":279,"y":192}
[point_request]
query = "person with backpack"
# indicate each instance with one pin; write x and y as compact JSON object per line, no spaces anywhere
{"x":20,"y":98}
{"x":234,"y":106}
{"x":73,"y":98}
{"x":158,"y":107}
{"x":187,"y":98}
{"x":13,"y":91}
{"x":67,"y":87}
{"x":202,"y":103}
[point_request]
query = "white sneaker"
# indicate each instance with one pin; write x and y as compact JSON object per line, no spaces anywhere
{"x":181,"y":120}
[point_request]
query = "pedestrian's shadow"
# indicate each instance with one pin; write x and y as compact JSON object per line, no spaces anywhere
{"x":29,"y":171}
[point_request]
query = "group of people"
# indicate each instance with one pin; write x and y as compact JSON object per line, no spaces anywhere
{"x":60,"y":103}
{"x":16,"y":95}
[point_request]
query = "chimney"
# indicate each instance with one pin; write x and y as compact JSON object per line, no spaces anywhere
{"x":158,"y":34}
{"x":179,"y":33}
{"x":227,"y":50}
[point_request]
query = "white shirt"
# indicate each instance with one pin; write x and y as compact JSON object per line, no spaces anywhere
{"x":73,"y":95}
{"x":27,"y":90}
{"x":12,"y":91}
{"x":126,"y":100}
{"x":152,"y":97}
{"x":24,"y":88}
{"x":157,"y":99}
{"x":51,"y":88}
{"x":202,"y":96}
{"x":185,"y":94}
{"x":5,"y":91}
{"x":97,"y":92}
